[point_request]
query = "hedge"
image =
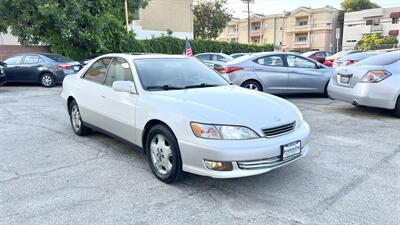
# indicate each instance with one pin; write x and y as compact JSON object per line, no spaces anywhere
{"x":171,"y":45}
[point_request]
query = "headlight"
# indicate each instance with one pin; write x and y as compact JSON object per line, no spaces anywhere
{"x":211,"y":131}
{"x":300,"y":118}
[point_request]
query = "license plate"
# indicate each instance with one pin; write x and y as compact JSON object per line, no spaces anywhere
{"x":76,"y":68}
{"x":291,"y":149}
{"x":344,"y":80}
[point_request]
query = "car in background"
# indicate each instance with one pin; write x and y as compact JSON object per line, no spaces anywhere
{"x":43,"y":68}
{"x":330,"y":59}
{"x":89,"y":59}
{"x":237,"y":55}
{"x":373,"y":82}
{"x":318,"y":56}
{"x":3,"y":78}
{"x":185,"y":116}
{"x":278,"y":73}
{"x":353,"y":58}
{"x":214,"y":60}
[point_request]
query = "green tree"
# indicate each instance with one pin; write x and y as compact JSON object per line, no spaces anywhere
{"x":357,"y":5}
{"x":210,"y":18}
{"x":375,"y":41}
{"x":75,"y":28}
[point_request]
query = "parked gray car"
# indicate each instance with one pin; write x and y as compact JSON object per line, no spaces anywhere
{"x":214,"y":60}
{"x":278,"y":73}
{"x":373,"y":82}
{"x":353,"y":58}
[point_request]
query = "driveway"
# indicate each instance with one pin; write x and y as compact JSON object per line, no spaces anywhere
{"x":50,"y":176}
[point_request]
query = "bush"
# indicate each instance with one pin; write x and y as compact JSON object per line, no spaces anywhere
{"x":375,"y":41}
{"x":171,"y":45}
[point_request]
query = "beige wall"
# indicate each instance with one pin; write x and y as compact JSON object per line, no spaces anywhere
{"x":282,"y":30}
{"x":161,"y":15}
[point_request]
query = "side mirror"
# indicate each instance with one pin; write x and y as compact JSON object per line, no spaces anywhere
{"x":124,"y":86}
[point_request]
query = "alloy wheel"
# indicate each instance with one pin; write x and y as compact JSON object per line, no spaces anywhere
{"x":76,"y":118}
{"x":47,"y":80}
{"x":161,"y":154}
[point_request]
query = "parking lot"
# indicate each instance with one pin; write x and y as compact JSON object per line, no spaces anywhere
{"x":48,"y":175}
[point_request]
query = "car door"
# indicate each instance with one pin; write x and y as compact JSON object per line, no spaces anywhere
{"x":90,"y":95}
{"x":13,"y":68}
{"x":304,"y":75}
{"x":272,"y":73}
{"x":30,"y":68}
{"x":119,"y":107}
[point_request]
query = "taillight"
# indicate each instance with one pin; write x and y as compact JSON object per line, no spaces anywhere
{"x":229,"y":69}
{"x":349,"y":62}
{"x":375,"y":76}
{"x":64,"y":67}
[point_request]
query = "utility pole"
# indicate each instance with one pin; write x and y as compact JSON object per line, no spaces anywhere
{"x":248,"y":17}
{"x":126,"y":16}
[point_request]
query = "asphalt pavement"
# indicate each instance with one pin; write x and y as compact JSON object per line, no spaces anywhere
{"x":48,"y":175}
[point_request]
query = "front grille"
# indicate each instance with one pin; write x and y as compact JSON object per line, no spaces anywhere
{"x":265,"y":163}
{"x":276,"y":131}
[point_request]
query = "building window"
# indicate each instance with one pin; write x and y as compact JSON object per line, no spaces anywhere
{"x":232,"y":29}
{"x":301,"y":38}
{"x":374,"y":22}
{"x":395,"y":20}
{"x":255,"y":26}
{"x":351,"y":41}
{"x":302,"y":21}
{"x":352,"y":25}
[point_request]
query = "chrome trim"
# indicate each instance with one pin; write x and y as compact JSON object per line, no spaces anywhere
{"x":279,"y":130}
{"x":266,"y":163}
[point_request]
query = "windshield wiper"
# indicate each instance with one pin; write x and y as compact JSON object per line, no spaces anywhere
{"x":201,"y":85}
{"x":164,"y":87}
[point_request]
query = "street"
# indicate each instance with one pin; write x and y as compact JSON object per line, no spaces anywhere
{"x":48,"y":175}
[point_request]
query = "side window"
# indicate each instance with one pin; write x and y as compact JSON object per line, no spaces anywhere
{"x":219,"y":58}
{"x":119,"y":70}
{"x":98,"y":70}
{"x":14,"y":60}
{"x":273,"y":60}
{"x":295,"y":61}
{"x":31,"y":59}
{"x":204,"y":57}
{"x":320,"y":54}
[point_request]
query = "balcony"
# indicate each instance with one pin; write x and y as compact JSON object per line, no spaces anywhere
{"x":298,"y":28}
{"x":231,"y":34}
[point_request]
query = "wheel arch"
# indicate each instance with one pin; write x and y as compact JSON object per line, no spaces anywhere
{"x":151,"y":123}
{"x":254,"y":80}
{"x":69,"y":100}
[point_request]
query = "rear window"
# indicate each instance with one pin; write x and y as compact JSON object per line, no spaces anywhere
{"x":381,"y":60}
{"x":58,"y":58}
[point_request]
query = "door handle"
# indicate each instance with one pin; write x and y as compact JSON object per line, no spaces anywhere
{"x":103,"y":96}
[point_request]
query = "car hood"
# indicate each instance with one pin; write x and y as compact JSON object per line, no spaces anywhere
{"x":231,"y":105}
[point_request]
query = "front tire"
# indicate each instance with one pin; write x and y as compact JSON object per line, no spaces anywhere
{"x":397,"y":108}
{"x":76,"y":120}
{"x":47,"y":80}
{"x":252,"y":85}
{"x":163,"y":154}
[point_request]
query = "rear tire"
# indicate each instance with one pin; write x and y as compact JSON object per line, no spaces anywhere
{"x":163,"y":154}
{"x":397,"y":108}
{"x":47,"y":80}
{"x":76,"y":120}
{"x":252,"y":85}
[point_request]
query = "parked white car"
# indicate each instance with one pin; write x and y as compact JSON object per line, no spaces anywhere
{"x":374,"y":82}
{"x":185,"y":116}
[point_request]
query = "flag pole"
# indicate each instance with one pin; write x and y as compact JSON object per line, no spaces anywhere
{"x":126,"y":16}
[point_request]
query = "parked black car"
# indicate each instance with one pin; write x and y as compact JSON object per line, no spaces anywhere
{"x":3,"y":79}
{"x":44,"y":68}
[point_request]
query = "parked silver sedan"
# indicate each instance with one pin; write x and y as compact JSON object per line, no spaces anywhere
{"x":278,"y":73}
{"x":353,"y":58}
{"x":374,"y":82}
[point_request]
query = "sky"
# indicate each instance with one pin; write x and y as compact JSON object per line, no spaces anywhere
{"x":278,"y":6}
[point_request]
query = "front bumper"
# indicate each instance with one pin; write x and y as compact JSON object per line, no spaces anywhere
{"x":381,"y":95}
{"x":244,"y":154}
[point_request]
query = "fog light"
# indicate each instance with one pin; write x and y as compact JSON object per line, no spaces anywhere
{"x":220,"y":166}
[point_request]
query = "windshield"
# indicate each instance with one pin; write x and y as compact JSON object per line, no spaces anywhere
{"x":58,"y":58}
{"x":381,"y":60}
{"x":166,"y":74}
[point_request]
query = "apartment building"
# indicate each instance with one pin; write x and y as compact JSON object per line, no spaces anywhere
{"x":299,"y":30}
{"x":160,"y":16}
{"x":385,"y":21}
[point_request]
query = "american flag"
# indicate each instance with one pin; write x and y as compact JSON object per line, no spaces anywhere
{"x":188,"y":48}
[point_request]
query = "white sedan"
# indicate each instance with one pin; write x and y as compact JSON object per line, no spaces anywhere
{"x":185,"y":116}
